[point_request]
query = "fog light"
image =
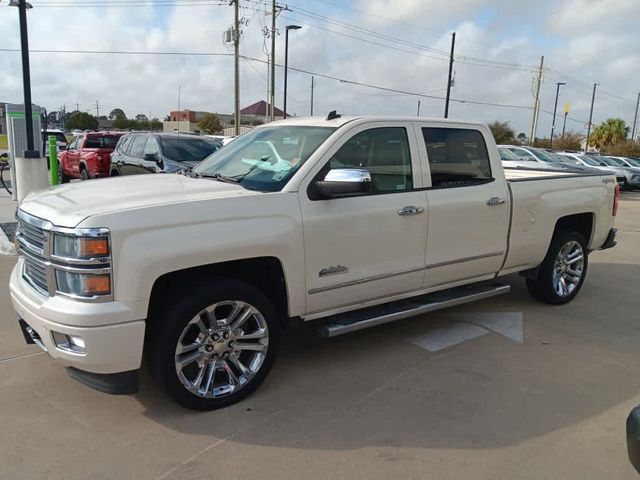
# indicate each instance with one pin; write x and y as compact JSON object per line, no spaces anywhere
{"x":69,"y":343}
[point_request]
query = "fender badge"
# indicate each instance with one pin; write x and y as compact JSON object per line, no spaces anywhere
{"x":333,"y":270}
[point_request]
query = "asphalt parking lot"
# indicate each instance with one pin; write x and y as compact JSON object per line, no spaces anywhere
{"x":538,"y":392}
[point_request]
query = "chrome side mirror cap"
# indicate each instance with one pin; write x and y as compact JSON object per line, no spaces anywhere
{"x":343,"y":182}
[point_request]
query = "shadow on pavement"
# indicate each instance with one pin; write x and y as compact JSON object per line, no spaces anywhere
{"x":374,"y":388}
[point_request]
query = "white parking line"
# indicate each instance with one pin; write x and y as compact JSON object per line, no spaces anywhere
{"x":468,"y":326}
{"x":448,"y":336}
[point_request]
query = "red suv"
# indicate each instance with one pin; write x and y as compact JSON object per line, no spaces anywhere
{"x":87,"y":156}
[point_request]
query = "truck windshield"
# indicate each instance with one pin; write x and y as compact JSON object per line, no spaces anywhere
{"x":186,"y":148}
{"x":612,"y":162}
{"x":265,"y":158}
{"x":544,"y":156}
{"x":589,"y":160}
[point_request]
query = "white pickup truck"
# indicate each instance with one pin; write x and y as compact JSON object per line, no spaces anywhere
{"x":347,"y":222}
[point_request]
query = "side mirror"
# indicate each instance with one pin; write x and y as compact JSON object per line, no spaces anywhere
{"x":151,"y":157}
{"x":344,"y":182}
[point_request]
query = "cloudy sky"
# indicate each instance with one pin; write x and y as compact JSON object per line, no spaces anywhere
{"x":395,"y":45}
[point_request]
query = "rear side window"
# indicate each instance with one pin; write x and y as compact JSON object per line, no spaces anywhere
{"x":137,"y":146}
{"x":384,"y":152}
{"x":123,"y":144}
{"x":457,"y":157}
{"x":101,"y":142}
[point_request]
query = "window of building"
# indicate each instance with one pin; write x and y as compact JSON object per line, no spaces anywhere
{"x":457,"y":157}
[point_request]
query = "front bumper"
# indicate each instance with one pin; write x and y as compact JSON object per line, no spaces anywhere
{"x":109,"y":348}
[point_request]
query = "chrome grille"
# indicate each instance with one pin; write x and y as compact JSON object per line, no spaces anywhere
{"x":33,"y":246}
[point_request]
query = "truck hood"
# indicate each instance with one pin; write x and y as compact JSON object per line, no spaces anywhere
{"x":67,"y":205}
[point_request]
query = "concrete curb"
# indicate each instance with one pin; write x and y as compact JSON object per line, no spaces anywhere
{"x":6,"y":247}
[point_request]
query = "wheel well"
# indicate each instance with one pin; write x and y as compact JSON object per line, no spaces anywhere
{"x":580,"y":222}
{"x":83,"y":166}
{"x":265,"y":273}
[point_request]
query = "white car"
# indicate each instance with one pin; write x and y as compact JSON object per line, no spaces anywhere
{"x":349,"y":222}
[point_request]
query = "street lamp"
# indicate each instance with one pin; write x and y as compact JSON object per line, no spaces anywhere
{"x":286,"y":63}
{"x":555,"y":107}
{"x":23,"y":6}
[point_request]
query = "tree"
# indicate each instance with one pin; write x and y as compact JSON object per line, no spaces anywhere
{"x":210,"y":123}
{"x":117,"y":113}
{"x":141,"y":117}
{"x":608,"y":133}
{"x":625,"y":148}
{"x":155,"y":125}
{"x":570,"y":141}
{"x":502,"y":132}
{"x":82,"y":121}
{"x":522,"y":137}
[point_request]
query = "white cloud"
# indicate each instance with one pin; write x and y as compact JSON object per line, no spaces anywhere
{"x":590,"y":40}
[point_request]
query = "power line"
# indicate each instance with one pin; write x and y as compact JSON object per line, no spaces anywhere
{"x":300,"y":70}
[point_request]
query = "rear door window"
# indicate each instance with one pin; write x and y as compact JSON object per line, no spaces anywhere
{"x":457,"y":157}
{"x":137,"y":146}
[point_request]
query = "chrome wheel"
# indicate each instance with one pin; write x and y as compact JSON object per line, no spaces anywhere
{"x":568,"y":268}
{"x":221,"y":349}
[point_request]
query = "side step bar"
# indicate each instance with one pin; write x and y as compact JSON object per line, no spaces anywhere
{"x":390,"y":312}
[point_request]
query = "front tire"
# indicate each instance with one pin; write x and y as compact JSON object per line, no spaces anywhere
{"x":62,"y":177}
{"x":214,"y":345}
{"x":84,"y":174}
{"x":562,"y":271}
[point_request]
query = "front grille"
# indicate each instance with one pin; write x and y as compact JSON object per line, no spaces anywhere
{"x":33,"y":246}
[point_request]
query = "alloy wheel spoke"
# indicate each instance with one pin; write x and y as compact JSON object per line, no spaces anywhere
{"x":199,"y":377}
{"x":189,"y":358}
{"x":563,"y":286}
{"x":211,"y":374}
{"x":257,"y":335}
{"x":189,"y":348}
{"x":233,"y":380}
{"x":254,"y":347}
{"x":242,"y":318}
{"x":573,"y":260}
{"x":246,"y":373}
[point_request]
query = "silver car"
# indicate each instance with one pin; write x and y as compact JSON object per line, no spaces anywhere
{"x":598,"y":164}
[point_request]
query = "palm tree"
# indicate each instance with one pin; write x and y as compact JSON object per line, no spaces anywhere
{"x":609,"y":132}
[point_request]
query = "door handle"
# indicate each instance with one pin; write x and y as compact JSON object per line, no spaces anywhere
{"x":410,"y":210}
{"x":495,"y":201}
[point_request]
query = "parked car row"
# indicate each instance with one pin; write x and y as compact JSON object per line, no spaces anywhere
{"x":626,"y":170}
{"x":108,"y":154}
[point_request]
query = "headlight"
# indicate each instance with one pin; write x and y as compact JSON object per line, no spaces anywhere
{"x":71,"y":246}
{"x":83,"y":284}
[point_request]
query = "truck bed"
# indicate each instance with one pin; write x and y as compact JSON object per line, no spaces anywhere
{"x":539,"y":197}
{"x":524,"y":174}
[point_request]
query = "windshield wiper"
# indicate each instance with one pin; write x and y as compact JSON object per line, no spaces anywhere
{"x":216,"y":176}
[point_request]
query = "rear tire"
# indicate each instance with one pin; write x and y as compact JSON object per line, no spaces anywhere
{"x":563,"y":270}
{"x":214,"y":345}
{"x":62,"y":177}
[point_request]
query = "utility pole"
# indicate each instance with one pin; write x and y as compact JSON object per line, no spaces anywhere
{"x":555,"y":108}
{"x":418,"y":114}
{"x":536,"y":104}
{"x":272,"y":98}
{"x":635,"y":119}
{"x":593,"y":99}
{"x":236,"y":66}
{"x":77,"y":107}
{"x":312,"y":95}
{"x":97,"y":109}
{"x":26,"y":74}
{"x":446,"y":102}
{"x":564,"y":123}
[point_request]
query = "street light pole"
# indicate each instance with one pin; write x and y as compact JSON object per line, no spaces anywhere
{"x":286,"y":63}
{"x":26,"y":73}
{"x":555,"y":108}
{"x":593,"y":99}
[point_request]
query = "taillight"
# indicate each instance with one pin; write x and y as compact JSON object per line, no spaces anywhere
{"x":616,"y":200}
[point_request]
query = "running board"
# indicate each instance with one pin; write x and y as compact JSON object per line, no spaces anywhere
{"x":390,"y":312}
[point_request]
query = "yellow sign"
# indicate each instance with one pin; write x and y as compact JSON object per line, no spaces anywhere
{"x":566,"y":107}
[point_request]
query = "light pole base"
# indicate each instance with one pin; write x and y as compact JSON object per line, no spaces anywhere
{"x":31,"y":173}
